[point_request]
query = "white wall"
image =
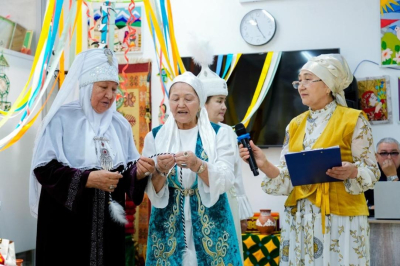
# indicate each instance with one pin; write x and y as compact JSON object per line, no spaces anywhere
{"x":16,"y":223}
{"x":353,"y":26}
{"x":25,"y":16}
{"x":27,"y":13}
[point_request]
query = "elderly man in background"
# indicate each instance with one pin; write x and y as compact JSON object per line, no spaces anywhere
{"x":387,"y":155}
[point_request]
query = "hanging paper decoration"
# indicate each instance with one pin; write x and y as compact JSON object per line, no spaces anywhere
{"x":161,"y":26}
{"x":225,"y":65}
{"x":3,"y":61}
{"x":130,"y":34}
{"x":164,"y":75}
{"x":4,"y":89}
{"x":28,"y":105}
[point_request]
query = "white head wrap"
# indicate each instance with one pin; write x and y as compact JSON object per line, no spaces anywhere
{"x":334,"y":72}
{"x":66,"y":133}
{"x":168,"y":140}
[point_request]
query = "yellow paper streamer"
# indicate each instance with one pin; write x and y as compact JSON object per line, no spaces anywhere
{"x":260,"y":83}
{"x":159,"y":35}
{"x":233,"y":67}
{"x":78,"y":48}
{"x":19,"y":132}
{"x":30,"y":123}
{"x":61,"y":63}
{"x":174,"y":46}
{"x":22,"y":98}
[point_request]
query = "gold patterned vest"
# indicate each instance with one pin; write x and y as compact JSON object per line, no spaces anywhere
{"x":330,"y":197}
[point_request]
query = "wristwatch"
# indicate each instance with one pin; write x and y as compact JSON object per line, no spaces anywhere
{"x":201,"y":168}
{"x":392,"y":178}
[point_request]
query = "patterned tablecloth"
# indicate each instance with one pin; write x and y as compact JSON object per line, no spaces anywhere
{"x":261,"y":249}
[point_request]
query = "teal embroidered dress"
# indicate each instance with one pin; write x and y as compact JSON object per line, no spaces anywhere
{"x":188,"y":214}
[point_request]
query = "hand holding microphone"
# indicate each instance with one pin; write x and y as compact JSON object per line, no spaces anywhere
{"x":246,"y":150}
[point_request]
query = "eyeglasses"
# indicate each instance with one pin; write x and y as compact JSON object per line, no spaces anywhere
{"x":386,"y":154}
{"x":296,"y":84}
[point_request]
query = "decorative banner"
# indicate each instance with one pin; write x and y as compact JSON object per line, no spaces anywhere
{"x":390,"y":32}
{"x":374,"y":96}
{"x":143,"y":224}
{"x":136,"y":108}
{"x":121,"y":41}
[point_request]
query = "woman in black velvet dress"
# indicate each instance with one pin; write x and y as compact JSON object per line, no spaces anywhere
{"x":83,"y":157}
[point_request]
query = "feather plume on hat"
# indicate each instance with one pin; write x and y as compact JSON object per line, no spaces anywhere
{"x":203,"y":56}
{"x":201,"y":52}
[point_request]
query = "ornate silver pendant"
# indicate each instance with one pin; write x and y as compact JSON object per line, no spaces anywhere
{"x":105,"y":158}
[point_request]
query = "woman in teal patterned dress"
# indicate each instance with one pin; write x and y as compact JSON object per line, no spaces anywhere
{"x":191,"y":222}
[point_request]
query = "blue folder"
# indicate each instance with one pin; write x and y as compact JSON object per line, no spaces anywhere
{"x":309,"y":167}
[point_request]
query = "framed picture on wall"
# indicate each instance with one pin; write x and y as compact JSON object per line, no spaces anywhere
{"x":374,"y":97}
{"x":6,"y":32}
{"x":121,"y":41}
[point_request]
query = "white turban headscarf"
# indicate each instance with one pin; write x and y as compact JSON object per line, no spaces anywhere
{"x":68,"y":130}
{"x":168,"y":139}
{"x":334,"y":72}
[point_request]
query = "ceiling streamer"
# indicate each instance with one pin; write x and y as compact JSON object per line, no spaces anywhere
{"x":47,"y":57}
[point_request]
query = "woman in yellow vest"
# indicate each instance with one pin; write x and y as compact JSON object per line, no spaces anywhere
{"x":325,"y":223}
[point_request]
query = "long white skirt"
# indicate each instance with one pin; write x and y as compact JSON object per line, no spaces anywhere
{"x":346,"y":239}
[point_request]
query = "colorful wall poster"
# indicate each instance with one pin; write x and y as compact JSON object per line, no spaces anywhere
{"x":390,"y":32}
{"x":99,"y":27}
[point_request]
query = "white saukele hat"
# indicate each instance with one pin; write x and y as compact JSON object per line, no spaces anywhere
{"x":203,"y":56}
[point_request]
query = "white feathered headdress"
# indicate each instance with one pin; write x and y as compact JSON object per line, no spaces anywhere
{"x":203,"y":56}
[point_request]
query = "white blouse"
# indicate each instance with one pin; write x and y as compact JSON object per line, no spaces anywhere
{"x":237,"y":191}
{"x":362,"y":149}
{"x":220,"y":174}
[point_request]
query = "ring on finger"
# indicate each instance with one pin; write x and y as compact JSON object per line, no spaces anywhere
{"x":185,"y":154}
{"x":184,"y":165}
{"x":147,"y":173}
{"x":111,"y":187}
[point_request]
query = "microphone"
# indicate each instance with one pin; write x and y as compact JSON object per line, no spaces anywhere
{"x":244,"y":138}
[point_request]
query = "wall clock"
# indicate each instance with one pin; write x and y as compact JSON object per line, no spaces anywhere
{"x":257,"y":27}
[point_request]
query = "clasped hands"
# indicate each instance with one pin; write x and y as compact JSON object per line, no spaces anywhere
{"x":186,"y":159}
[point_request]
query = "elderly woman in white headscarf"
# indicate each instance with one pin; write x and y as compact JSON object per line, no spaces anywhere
{"x":191,"y":222}
{"x":325,"y":223}
{"x":83,"y":162}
